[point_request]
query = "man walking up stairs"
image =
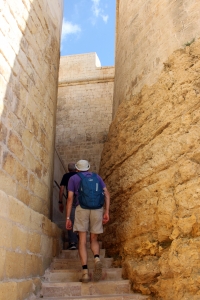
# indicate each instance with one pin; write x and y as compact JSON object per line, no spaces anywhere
{"x":90,"y":215}
{"x":86,"y":273}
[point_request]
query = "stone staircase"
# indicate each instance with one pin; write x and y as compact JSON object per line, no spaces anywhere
{"x":62,"y":280}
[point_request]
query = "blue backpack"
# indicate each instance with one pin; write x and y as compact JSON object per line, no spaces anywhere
{"x":90,"y":192}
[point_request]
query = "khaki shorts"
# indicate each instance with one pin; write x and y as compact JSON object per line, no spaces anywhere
{"x":88,"y":220}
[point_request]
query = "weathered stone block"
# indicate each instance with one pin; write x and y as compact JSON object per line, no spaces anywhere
{"x":47,"y":227}
{"x":46,"y":246}
{"x":27,"y":138}
{"x":31,"y":163}
{"x":8,"y":290}
{"x":36,"y":221}
{"x":14,"y":265}
{"x":21,"y":110}
{"x":15,"y":145}
{"x":6,"y":182}
{"x":46,"y":263}
{"x":38,"y":188}
{"x":4,"y":203}
{"x":23,"y":195}
{"x":33,"y":265}
{"x":34,"y":243}
{"x":6,"y":233}
{"x":19,"y":239}
{"x":2,"y":262}
{"x":21,"y":174}
{"x":37,"y":284}
{"x":19,"y":213}
{"x":36,"y":204}
{"x":24,"y":289}
{"x":36,"y":148}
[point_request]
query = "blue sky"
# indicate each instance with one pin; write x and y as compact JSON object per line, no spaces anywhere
{"x":89,"y":26}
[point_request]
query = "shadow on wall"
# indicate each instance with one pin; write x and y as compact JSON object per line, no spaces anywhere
{"x":28,"y":80}
{"x":59,"y":170}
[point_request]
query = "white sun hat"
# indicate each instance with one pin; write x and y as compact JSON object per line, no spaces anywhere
{"x":82,"y":165}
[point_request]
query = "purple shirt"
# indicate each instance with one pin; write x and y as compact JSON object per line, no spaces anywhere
{"x":74,"y":181}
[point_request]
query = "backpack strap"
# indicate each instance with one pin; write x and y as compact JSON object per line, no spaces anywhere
{"x":80,"y":175}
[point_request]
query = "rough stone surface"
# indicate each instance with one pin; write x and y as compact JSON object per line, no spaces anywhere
{"x":147,"y":34}
{"x":151,"y":164}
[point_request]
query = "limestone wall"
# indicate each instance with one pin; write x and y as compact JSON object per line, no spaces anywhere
{"x":84,"y":111}
{"x":151,"y":164}
{"x":28,"y":242}
{"x":29,"y":61}
{"x":147,"y":33}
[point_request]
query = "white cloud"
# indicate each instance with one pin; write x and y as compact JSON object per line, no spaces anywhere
{"x":98,"y":12}
{"x":105,"y":18}
{"x":95,"y":8}
{"x":69,"y":28}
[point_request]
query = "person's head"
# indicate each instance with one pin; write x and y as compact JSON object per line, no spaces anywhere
{"x":82,"y":165}
{"x":71,"y":167}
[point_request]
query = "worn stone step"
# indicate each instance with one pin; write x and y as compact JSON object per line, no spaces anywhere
{"x":74,"y":289}
{"x":62,"y":264}
{"x":66,"y":244}
{"x":102,"y":297}
{"x":74,"y":254}
{"x":75,"y":275}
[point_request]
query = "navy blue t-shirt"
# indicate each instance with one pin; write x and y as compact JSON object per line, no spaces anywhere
{"x":66,"y":178}
{"x":64,"y":182}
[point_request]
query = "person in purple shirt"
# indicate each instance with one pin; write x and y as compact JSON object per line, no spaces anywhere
{"x":91,"y":220}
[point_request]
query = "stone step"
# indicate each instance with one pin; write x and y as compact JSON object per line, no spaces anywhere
{"x":74,"y":254}
{"x":77,"y":289}
{"x":66,"y":244}
{"x":62,"y":264}
{"x":103,"y":297}
{"x":75,"y":275}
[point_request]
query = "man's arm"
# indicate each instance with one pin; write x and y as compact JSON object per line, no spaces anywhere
{"x":61,"y":192}
{"x":107,"y":206}
{"x":68,"y":210}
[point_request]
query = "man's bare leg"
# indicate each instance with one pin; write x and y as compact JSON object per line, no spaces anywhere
{"x":83,"y":255}
{"x":94,"y":245}
{"x":82,"y":247}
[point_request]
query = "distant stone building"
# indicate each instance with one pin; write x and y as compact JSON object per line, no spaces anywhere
{"x":84,"y":108}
